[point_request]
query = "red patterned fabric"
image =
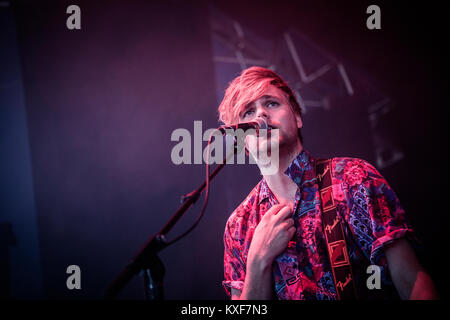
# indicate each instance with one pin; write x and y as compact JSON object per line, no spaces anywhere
{"x":372,"y":217}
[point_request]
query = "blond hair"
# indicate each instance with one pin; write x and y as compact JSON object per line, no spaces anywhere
{"x":249,"y":86}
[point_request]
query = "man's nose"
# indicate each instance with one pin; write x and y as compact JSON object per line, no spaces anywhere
{"x":261,"y":112}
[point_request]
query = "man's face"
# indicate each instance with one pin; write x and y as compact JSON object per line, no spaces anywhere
{"x":273,"y":107}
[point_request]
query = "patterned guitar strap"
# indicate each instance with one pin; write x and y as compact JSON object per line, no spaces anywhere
{"x":334,"y":234}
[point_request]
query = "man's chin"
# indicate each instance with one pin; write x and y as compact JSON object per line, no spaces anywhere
{"x":268,"y":165}
{"x":265,"y":151}
{"x":266,"y":156}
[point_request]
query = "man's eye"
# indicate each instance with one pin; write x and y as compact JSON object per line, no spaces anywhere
{"x":272,"y":103}
{"x":247,"y":113}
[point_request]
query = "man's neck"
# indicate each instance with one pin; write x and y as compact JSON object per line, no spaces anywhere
{"x":279,"y":183}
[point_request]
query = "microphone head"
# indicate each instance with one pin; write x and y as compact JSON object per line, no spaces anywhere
{"x":262,"y":124}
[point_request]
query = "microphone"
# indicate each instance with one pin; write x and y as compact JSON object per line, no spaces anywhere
{"x":258,"y":123}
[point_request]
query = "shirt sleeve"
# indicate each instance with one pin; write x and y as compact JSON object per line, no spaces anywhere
{"x":389,"y":221}
{"x":234,"y":267}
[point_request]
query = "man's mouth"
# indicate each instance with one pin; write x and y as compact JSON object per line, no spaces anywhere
{"x":269,"y":131}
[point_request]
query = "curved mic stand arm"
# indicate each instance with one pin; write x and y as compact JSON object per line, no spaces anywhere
{"x":147,"y":259}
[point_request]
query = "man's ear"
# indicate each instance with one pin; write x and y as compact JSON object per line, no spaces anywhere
{"x":298,"y":121}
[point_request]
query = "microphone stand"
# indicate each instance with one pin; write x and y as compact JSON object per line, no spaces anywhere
{"x":147,"y":257}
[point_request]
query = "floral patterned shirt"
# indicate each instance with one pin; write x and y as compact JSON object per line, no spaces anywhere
{"x":372,"y":217}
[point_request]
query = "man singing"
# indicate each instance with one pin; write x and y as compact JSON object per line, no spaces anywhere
{"x":314,"y":229}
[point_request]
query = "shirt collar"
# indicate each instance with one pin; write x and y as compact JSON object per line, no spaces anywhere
{"x":302,"y":163}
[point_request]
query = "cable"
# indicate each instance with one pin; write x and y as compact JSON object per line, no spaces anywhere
{"x":205,"y":201}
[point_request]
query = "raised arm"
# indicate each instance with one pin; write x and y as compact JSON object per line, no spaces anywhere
{"x":271,"y":238}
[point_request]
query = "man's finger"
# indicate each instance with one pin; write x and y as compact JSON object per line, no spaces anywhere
{"x":290,"y":222}
{"x":284,"y":213}
{"x":276,"y":208}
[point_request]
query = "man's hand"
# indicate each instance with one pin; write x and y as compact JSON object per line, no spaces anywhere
{"x":271,"y":238}
{"x":272,"y":235}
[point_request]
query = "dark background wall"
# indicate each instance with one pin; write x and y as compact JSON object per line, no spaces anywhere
{"x":102,"y":102}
